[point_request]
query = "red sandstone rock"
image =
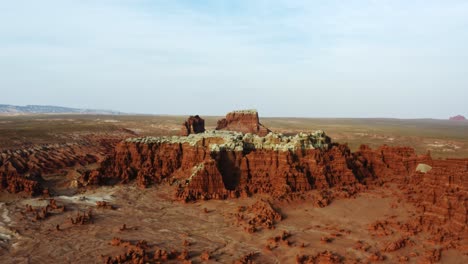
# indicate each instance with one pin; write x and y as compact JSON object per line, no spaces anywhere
{"x":200,"y":173}
{"x":14,"y":183}
{"x":322,"y":257}
{"x":396,"y":245}
{"x":259,"y":215}
{"x":433,"y":256}
{"x":205,"y":256}
{"x":325,"y":239}
{"x":361,"y":245}
{"x":104,"y":205}
{"x":376,"y":257}
{"x":21,"y":169}
{"x":380,"y":228}
{"x":82,"y":219}
{"x":204,"y":182}
{"x":246,"y":259}
{"x":246,"y":121}
{"x":193,"y":125}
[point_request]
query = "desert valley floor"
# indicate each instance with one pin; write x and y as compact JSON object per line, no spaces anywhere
{"x":153,"y":189}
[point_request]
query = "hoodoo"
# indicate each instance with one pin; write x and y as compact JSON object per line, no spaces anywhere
{"x":193,"y":125}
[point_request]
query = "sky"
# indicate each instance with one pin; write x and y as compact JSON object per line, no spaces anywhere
{"x":305,"y":58}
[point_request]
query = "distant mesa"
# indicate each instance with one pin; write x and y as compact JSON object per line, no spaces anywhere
{"x":245,"y":121}
{"x":49,"y":109}
{"x":193,"y":125}
{"x":457,"y":118}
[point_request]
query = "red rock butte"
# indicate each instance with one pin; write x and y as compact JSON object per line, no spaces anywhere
{"x":457,"y":118}
{"x":245,"y":121}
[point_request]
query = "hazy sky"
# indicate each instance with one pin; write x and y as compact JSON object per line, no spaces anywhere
{"x":319,"y":58}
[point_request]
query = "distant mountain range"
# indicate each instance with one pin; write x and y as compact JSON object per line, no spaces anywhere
{"x":49,"y":109}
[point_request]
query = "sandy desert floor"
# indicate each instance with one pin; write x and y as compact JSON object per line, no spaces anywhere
{"x":151,"y":215}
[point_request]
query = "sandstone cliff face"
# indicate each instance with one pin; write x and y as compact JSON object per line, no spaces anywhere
{"x":221,"y":164}
{"x":193,"y":125}
{"x":245,"y":121}
{"x":229,"y":164}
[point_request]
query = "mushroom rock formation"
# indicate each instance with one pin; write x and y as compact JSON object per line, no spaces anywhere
{"x":245,"y":121}
{"x":457,"y":118}
{"x":193,"y":125}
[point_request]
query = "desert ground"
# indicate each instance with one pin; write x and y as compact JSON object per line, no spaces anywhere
{"x":443,"y":138}
{"x":364,"y":227}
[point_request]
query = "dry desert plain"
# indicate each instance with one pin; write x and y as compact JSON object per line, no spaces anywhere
{"x":78,"y":189}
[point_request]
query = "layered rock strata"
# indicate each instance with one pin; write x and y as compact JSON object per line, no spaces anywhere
{"x":245,"y":121}
{"x":223,"y":164}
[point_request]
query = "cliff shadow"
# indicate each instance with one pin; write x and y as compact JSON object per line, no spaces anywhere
{"x":229,"y":167}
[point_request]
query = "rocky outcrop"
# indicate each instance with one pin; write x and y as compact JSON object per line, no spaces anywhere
{"x":321,"y":257}
{"x":219,"y":164}
{"x":441,"y":193}
{"x":387,"y":163}
{"x":21,"y":169}
{"x":245,"y":121}
{"x":204,"y":182}
{"x":260,"y":215}
{"x":457,"y":118}
{"x":193,"y":125}
{"x":14,"y":183}
{"x":437,"y":187}
{"x":224,"y":164}
{"x":228,"y":164}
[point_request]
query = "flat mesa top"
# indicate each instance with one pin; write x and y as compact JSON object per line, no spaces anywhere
{"x":237,"y":141}
{"x":246,"y":111}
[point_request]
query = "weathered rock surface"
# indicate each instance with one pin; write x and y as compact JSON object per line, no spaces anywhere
{"x":229,"y":164}
{"x":21,"y":169}
{"x":245,"y":121}
{"x":321,"y":257}
{"x":193,"y":125}
{"x":224,"y":164}
{"x":257,"y":216}
{"x":441,"y":194}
